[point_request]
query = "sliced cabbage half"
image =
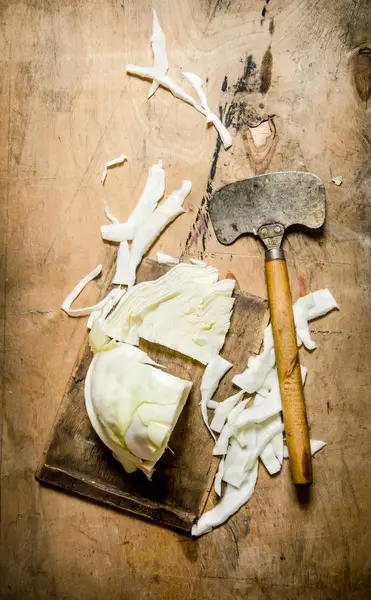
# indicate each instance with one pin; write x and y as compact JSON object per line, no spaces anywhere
{"x":133,"y":406}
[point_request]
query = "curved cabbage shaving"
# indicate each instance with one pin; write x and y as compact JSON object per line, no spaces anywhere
{"x":213,"y":373}
{"x":257,"y":431}
{"x":270,"y":460}
{"x":221,"y":446}
{"x":158,"y":42}
{"x":109,"y":215}
{"x":231,"y":502}
{"x":222,"y":410}
{"x":234,"y":463}
{"x":157,"y":74}
{"x":211,"y":117}
{"x":268,"y":431}
{"x":315,"y":446}
{"x":80,"y":312}
{"x":166,"y":82}
{"x":152,"y":193}
{"x":196,"y":83}
{"x":277,"y":444}
{"x":258,"y":366}
{"x":219,"y":477}
{"x":122,"y":273}
{"x":111,"y":163}
{"x":164,"y":258}
{"x":312,"y":306}
{"x":247,"y":436}
{"x":118,"y":383}
{"x":150,"y":229}
{"x":117,"y":232}
{"x":264,"y":407}
{"x":98,"y":340}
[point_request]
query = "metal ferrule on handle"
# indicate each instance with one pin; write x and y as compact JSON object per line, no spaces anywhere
{"x":288,"y":367}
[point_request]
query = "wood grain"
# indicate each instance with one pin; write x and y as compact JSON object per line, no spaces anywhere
{"x":66,"y":108}
{"x":75,"y":460}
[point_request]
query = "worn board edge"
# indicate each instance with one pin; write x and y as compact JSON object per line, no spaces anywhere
{"x":164,"y":515}
{"x":105,"y":496}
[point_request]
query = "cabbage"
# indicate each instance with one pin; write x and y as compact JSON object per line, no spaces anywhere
{"x":122,"y":273}
{"x":111,"y":163}
{"x":164,"y":258}
{"x":158,"y":75}
{"x":187,"y":309}
{"x":231,"y":502}
{"x":315,"y":446}
{"x":213,"y":373}
{"x":158,"y":42}
{"x":133,"y":406}
{"x":211,"y":117}
{"x":151,"y":228}
{"x":152,"y":193}
{"x":305,"y":309}
{"x":247,"y":434}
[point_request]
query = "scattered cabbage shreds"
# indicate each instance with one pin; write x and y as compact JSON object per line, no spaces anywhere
{"x":108,"y":214}
{"x":222,"y":409}
{"x":247,"y":434}
{"x":145,"y":223}
{"x":196,"y":261}
{"x":81,"y":312}
{"x":152,"y":193}
{"x":270,"y":460}
{"x":111,"y":163}
{"x":315,"y":446}
{"x":164,"y":258}
{"x":314,"y":305}
{"x":166,"y":82}
{"x":221,"y":446}
{"x":158,"y":42}
{"x":231,"y":502}
{"x":258,"y":366}
{"x":305,"y":309}
{"x":213,"y":373}
{"x":99,"y":341}
{"x":115,"y":298}
{"x":277,"y":444}
{"x":187,"y":310}
{"x":132,"y":406}
{"x":104,"y":306}
{"x":158,"y":75}
{"x":122,"y":273}
{"x":196,"y":83}
{"x":164,"y":214}
{"x":219,"y":477}
{"x":211,"y":117}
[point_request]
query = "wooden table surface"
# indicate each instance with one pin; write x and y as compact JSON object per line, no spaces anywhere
{"x":292,"y":79}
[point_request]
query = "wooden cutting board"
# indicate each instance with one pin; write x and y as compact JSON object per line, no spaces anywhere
{"x":75,"y":460}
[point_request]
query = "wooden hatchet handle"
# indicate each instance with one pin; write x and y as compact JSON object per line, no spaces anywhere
{"x":288,"y":367}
